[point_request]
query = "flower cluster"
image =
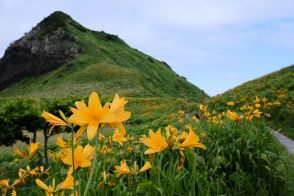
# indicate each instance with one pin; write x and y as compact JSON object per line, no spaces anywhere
{"x":112,"y":156}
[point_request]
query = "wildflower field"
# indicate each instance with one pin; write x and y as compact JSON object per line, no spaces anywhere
{"x":272,"y":93}
{"x":185,"y":148}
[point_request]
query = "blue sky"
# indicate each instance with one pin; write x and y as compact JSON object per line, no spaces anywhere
{"x":215,"y":44}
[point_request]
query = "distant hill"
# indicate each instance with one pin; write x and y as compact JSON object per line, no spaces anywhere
{"x":277,"y":86}
{"x":60,"y":58}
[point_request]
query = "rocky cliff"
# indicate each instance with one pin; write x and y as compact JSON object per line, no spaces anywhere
{"x":36,"y":53}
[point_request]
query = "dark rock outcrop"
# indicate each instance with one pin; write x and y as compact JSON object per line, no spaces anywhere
{"x":33,"y":55}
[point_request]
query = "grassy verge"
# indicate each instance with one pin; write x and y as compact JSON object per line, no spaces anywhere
{"x":241,"y":158}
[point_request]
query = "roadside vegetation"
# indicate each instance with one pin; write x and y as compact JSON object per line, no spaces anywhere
{"x":111,"y":150}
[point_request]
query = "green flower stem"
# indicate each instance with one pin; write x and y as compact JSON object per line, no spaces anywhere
{"x":73,"y":159}
{"x":93,"y":166}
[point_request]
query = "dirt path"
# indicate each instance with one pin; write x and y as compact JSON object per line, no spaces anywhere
{"x":287,"y":142}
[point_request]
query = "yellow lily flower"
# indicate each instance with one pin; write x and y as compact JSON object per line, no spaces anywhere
{"x":68,"y":183}
{"x":89,"y":151}
{"x":156,"y":142}
{"x":230,"y":103}
{"x":119,"y":137}
{"x":94,"y":114}
{"x":257,"y":100}
{"x":105,"y":175}
{"x":118,"y":108}
{"x":191,"y":141}
{"x":257,"y":105}
{"x":4,"y":183}
{"x":124,"y":169}
{"x":18,"y":152}
{"x":146,"y":166}
{"x":54,"y":120}
{"x":81,"y":157}
{"x":257,"y":113}
{"x":33,"y":148}
{"x":5,"y":187}
{"x":61,"y":143}
{"x":31,"y":151}
{"x":28,"y":171}
{"x":233,"y":116}
{"x":51,"y":190}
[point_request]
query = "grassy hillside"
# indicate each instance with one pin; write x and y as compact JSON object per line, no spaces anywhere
{"x":106,"y":64}
{"x":277,"y":87}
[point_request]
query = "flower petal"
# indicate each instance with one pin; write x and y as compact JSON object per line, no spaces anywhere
{"x":92,"y":130}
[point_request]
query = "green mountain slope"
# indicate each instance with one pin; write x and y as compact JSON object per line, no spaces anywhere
{"x":105,"y":64}
{"x":276,"y":87}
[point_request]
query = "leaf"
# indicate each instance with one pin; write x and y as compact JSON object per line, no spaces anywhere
{"x":146,"y":186}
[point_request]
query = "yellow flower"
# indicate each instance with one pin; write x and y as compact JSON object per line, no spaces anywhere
{"x":18,"y":152}
{"x":257,"y":100}
{"x":146,"y":166}
{"x":94,"y":114}
{"x":195,"y":118}
{"x":191,"y":141}
{"x":82,"y":157}
{"x":61,"y":143}
{"x":28,"y":172}
{"x":51,"y":190}
{"x":53,"y":120}
{"x":257,"y":113}
{"x":105,"y":149}
{"x":105,"y":175}
{"x":171,"y":129}
{"x":4,"y":186}
{"x":230,"y":103}
{"x":156,"y":142}
{"x":33,"y":148}
{"x":31,"y":151}
{"x":119,"y":137}
{"x":68,"y":183}
{"x":202,"y":108}
{"x":233,"y":116}
{"x":130,"y":149}
{"x":118,"y":108}
{"x":89,"y":151}
{"x":4,"y":183}
{"x":257,"y":105}
{"x":124,"y":169}
{"x":181,"y":113}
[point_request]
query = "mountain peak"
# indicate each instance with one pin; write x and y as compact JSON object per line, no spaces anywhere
{"x":62,"y":51}
{"x":57,"y":19}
